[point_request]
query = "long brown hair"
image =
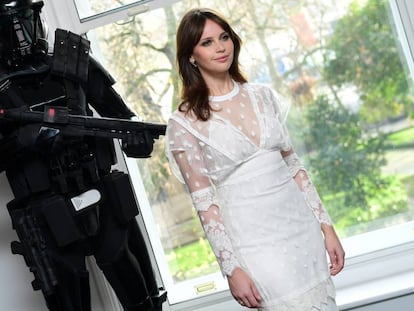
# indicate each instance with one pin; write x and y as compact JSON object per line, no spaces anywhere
{"x":195,"y":92}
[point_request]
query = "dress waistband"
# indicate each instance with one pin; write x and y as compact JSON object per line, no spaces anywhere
{"x":259,"y":163}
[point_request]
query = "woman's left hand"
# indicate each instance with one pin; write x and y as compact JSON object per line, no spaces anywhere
{"x":334,"y":248}
{"x":243,"y":289}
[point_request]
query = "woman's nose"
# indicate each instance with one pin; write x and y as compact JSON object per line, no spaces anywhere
{"x":220,"y":47}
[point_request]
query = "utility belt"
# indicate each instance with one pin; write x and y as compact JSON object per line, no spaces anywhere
{"x":73,"y":167}
{"x":81,"y":164}
{"x":77,"y":217}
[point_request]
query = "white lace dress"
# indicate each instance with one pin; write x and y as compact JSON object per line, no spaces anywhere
{"x":255,"y":215}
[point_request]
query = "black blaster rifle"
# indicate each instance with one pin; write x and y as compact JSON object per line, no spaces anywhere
{"x":32,"y":247}
{"x":137,"y":137}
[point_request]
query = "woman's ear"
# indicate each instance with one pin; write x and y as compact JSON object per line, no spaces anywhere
{"x":192,"y":61}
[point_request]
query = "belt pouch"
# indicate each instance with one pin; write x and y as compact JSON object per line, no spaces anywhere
{"x":120,"y":196}
{"x":60,"y":220}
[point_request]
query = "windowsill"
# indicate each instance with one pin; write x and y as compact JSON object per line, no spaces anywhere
{"x":377,"y":290}
{"x":379,"y":273}
{"x":385,"y":270}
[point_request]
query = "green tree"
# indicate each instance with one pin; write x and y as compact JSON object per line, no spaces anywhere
{"x":346,"y":166}
{"x":362,"y":52}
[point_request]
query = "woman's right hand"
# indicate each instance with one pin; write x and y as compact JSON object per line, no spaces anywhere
{"x":243,"y":289}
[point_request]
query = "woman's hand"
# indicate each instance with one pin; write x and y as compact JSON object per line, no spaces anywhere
{"x":334,"y":248}
{"x":243,"y":289}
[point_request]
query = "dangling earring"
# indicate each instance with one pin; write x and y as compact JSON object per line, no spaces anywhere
{"x":193,"y":63}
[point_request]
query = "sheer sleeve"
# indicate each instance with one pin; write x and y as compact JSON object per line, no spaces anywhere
{"x":297,"y":170}
{"x":186,"y":159}
{"x":280,"y":108}
{"x":306,"y":186}
{"x":295,"y":166}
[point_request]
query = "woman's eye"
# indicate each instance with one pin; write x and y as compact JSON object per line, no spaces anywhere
{"x":225,"y":37}
{"x":206,"y":43}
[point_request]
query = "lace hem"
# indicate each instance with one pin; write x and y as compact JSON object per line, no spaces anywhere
{"x":319,"y":298}
{"x":220,"y":244}
{"x":314,"y":201}
{"x":203,"y":199}
{"x":294,"y":164}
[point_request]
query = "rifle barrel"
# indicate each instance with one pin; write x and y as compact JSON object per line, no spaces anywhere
{"x":113,"y":124}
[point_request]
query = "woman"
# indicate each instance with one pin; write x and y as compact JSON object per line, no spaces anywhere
{"x":261,"y":214}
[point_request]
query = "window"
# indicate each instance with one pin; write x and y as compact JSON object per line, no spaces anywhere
{"x":90,"y":14}
{"x":351,"y":119}
{"x":92,"y":8}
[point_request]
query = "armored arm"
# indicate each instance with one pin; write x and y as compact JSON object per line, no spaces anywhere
{"x":97,"y":85}
{"x":101,"y":95}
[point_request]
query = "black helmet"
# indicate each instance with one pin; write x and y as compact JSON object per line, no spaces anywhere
{"x":22,"y":31}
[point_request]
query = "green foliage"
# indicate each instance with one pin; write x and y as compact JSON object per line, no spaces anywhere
{"x":384,"y":202}
{"x":346,"y":166}
{"x":192,"y":260}
{"x":362,"y":52}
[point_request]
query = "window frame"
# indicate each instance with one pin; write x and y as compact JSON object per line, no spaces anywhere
{"x":405,"y":27}
{"x":375,"y":267}
{"x":71,"y":20}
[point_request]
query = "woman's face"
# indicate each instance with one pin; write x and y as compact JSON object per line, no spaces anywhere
{"x":214,"y":52}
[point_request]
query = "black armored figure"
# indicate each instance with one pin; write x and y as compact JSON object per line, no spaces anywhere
{"x":69,"y":203}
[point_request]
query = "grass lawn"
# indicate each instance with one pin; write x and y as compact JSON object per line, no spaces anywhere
{"x":192,"y":260}
{"x":401,"y":139}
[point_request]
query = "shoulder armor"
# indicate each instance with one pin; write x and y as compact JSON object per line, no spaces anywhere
{"x":70,"y":56}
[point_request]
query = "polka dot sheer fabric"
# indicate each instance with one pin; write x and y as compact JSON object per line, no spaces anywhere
{"x":259,"y":210}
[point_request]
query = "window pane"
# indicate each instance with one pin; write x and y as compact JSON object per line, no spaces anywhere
{"x":351,"y":118}
{"x":90,"y":8}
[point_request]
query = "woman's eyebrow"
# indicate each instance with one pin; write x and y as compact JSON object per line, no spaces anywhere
{"x":210,"y":37}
